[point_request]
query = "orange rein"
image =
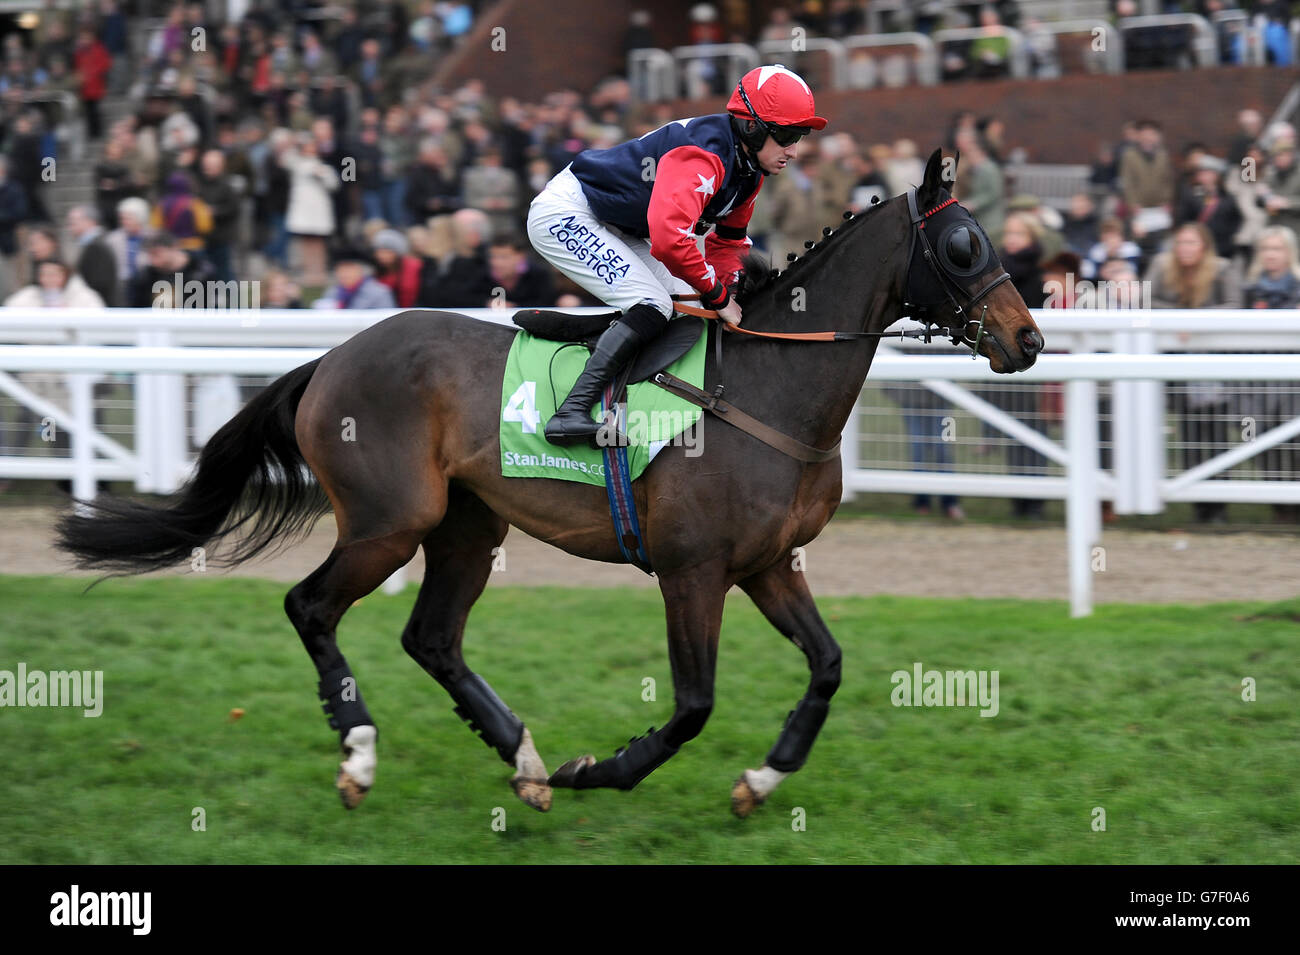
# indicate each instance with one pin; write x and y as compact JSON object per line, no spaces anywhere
{"x":710,"y":313}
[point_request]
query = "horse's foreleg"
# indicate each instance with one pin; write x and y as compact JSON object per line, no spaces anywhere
{"x":781,"y":593}
{"x":315,"y":606}
{"x":458,"y":557}
{"x":693,"y":601}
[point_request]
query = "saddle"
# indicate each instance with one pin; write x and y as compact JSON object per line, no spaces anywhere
{"x":674,"y":342}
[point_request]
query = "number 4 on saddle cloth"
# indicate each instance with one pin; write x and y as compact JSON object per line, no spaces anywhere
{"x":545,"y":360}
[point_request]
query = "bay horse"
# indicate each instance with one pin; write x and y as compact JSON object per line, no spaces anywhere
{"x":399,"y":426}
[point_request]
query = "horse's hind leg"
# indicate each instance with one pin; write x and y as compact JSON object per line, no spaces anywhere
{"x":352,"y":570}
{"x":781,"y":593}
{"x":458,"y":556}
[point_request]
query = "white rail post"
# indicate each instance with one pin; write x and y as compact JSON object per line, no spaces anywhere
{"x":849,"y":452}
{"x":80,"y":390}
{"x":173,"y":418}
{"x":144,"y":398}
{"x":1081,"y":511}
{"x":396,"y":581}
{"x":1149,"y":415}
{"x":1124,"y":433}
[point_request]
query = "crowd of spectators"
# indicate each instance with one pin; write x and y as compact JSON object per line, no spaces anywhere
{"x":1213,"y":227}
{"x":317,"y":157}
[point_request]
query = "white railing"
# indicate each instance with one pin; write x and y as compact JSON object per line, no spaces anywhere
{"x":698,"y":65}
{"x":925,"y":63}
{"x":837,"y":59}
{"x":1082,"y":486}
{"x":162,"y":347}
{"x":660,"y":74}
{"x":1111,"y":53}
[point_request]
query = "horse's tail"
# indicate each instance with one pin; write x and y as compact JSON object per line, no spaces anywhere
{"x":251,"y":478}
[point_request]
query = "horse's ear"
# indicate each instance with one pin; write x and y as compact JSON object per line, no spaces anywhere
{"x":933,"y":179}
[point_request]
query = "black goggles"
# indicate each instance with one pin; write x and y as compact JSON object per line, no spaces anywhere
{"x":783,"y":135}
{"x":786,"y":135}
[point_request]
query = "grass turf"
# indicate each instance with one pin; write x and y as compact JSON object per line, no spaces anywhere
{"x":1137,"y":710}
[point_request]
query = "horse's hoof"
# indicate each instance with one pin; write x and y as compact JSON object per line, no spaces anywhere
{"x":567,"y":775}
{"x":535,"y":792}
{"x":350,"y":791}
{"x":357,"y":771}
{"x":743,"y":798}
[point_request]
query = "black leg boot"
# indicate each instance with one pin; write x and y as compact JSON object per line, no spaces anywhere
{"x":572,"y":422}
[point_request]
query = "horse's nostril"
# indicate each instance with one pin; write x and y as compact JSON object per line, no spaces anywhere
{"x":1031,"y":342}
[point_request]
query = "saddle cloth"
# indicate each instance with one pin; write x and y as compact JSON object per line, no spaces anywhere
{"x":539,"y":373}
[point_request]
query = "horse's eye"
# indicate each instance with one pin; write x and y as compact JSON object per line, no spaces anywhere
{"x":963,"y":248}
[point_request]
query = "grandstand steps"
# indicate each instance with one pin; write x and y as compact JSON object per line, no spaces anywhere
{"x":74,"y":183}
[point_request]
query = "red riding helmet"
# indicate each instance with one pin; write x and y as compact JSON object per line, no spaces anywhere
{"x":778,"y":96}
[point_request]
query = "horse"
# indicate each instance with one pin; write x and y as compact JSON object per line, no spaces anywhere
{"x":399,"y":428}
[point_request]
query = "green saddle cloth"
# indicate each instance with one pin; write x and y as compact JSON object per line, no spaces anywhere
{"x":538,"y":376}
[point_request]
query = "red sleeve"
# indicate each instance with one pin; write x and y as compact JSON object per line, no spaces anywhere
{"x":685,"y":178}
{"x":727,"y":245}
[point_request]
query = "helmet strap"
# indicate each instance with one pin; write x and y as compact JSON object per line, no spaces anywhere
{"x":751,"y":136}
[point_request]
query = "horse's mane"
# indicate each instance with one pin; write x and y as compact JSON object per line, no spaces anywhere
{"x":759,"y":276}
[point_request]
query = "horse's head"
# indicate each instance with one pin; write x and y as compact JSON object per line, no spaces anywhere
{"x":956,"y":280}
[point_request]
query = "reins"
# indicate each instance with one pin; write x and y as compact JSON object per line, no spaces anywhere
{"x":917,"y":311}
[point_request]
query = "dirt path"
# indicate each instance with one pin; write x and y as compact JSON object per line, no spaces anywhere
{"x":857,"y":556}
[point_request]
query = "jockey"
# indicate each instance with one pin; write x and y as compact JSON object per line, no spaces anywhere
{"x":622,"y":222}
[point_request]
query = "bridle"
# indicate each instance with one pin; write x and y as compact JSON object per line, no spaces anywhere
{"x":913,"y":305}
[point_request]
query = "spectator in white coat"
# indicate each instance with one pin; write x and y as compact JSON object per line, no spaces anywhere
{"x":310,"y":217}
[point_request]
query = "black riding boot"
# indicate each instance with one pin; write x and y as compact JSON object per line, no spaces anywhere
{"x":572,"y":422}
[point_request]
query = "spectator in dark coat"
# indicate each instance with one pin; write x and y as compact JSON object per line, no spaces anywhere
{"x":465,"y":282}
{"x":1081,"y":224}
{"x":112,"y":33}
{"x":1207,"y":202}
{"x":218,"y":191}
{"x":432,"y":186}
{"x":370,"y":167}
{"x":113,"y":181}
{"x":27,"y":165}
{"x":275,"y":207}
{"x":517,"y":281}
{"x":347,"y":42}
{"x":165,"y":259}
{"x":96,"y":263}
{"x":13,"y":210}
{"x":1020,"y":255}
{"x":330,"y":101}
